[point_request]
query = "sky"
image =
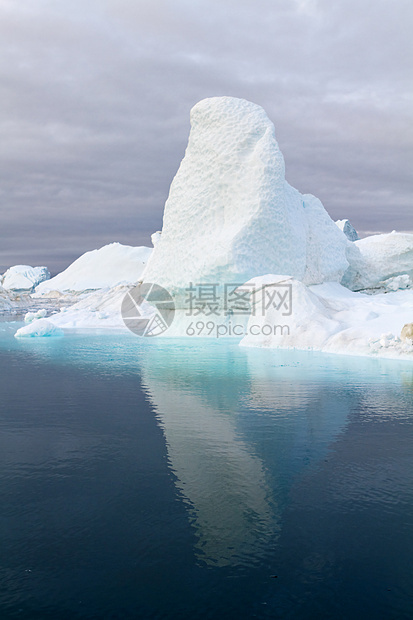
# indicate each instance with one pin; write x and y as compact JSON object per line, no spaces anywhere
{"x":96,"y":94}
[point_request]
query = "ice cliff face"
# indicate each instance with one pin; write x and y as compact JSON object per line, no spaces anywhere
{"x":231,"y":215}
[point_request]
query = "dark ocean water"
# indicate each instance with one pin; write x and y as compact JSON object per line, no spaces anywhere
{"x":147,"y":478}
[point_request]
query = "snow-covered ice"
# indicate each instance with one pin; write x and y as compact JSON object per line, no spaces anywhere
{"x":108,"y":266}
{"x":330,"y":318}
{"x":98,"y":309}
{"x":326,"y":317}
{"x":23,"y":277}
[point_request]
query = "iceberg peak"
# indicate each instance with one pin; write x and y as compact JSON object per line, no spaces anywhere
{"x":231,"y":215}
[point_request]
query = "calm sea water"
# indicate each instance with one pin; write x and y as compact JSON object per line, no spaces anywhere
{"x":147,"y":478}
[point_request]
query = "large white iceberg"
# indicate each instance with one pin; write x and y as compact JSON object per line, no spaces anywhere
{"x":231,"y":215}
{"x":108,"y":266}
{"x":231,"y":219}
{"x":24,"y":277}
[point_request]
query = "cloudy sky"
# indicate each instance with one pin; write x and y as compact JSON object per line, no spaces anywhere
{"x":95,"y":100}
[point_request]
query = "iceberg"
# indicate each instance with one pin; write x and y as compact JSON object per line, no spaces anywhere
{"x":231,"y":215}
{"x":24,"y":277}
{"x":381,"y":262}
{"x":233,"y":222}
{"x":348,"y":229}
{"x":33,"y":316}
{"x":108,"y":266}
{"x":38,"y":328}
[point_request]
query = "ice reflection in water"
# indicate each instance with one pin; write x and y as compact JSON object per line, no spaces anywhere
{"x":216,"y":471}
{"x":240,"y":425}
{"x":286,"y":463}
{"x":236,"y":488}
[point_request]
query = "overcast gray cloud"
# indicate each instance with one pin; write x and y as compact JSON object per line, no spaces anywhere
{"x":96,"y":94}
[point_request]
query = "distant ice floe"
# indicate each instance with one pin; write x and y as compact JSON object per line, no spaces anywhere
{"x":23,"y":277}
{"x":33,"y":316}
{"x":6,"y":303}
{"x":16,"y":301}
{"x":232,"y":219}
{"x":39,"y":328}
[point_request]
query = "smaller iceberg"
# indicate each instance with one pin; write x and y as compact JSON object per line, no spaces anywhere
{"x":24,"y":277}
{"x":348,"y":230}
{"x":39,"y":328}
{"x":33,"y":316}
{"x":382,"y":262}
